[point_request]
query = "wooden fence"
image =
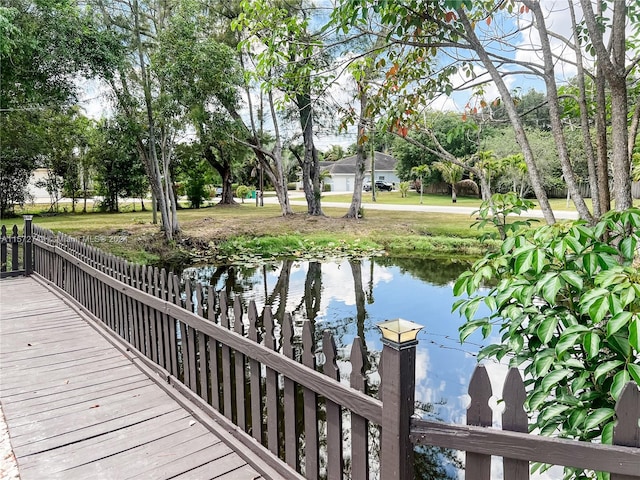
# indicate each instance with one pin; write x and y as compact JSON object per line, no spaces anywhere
{"x":258,"y":375}
{"x":20,"y":262}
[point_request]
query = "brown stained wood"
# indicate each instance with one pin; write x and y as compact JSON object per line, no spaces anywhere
{"x":255,"y":375}
{"x":213,"y":351}
{"x":239,"y":368}
{"x":184,"y":334}
{"x":626,"y":431}
{"x":397,"y":390}
{"x":310,"y":402}
{"x":226,"y":360}
{"x":200,"y":361}
{"x":3,"y":249}
{"x":359,"y":427}
{"x":152,"y":278}
{"x":334,"y":415}
{"x":479,"y":414}
{"x":514,"y":419}
{"x":272,"y":390}
{"x":290,"y":409}
{"x":163,"y":347}
{"x":175,"y":328}
{"x":202,"y":350}
{"x":93,"y":429}
{"x":358,"y":402}
{"x":15,"y":248}
{"x":523,"y":446}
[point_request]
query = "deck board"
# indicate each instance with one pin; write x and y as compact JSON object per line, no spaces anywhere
{"x":77,"y":408}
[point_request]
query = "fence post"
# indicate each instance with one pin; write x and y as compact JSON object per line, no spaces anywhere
{"x":28,"y":245}
{"x":397,"y":393}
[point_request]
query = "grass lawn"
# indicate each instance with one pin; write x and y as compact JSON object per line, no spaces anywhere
{"x":228,"y":228}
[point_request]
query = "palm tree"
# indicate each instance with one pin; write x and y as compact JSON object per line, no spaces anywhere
{"x":420,"y":172}
{"x":451,"y":174}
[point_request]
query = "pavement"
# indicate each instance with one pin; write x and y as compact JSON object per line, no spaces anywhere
{"x":297,"y":198}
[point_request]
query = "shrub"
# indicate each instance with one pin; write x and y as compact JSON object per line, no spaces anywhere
{"x":566,"y":302}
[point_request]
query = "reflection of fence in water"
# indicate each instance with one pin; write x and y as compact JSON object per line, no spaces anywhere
{"x":228,"y":364}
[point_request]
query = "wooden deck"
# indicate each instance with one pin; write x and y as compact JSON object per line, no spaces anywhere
{"x":78,"y":407}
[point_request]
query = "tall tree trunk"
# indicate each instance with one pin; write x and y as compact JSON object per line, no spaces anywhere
{"x":224,"y":169}
{"x":602,"y":147}
{"x":554,"y":113}
{"x":585,"y":127}
{"x":361,"y":155}
{"x":613,"y":68}
{"x":310,"y":167}
{"x":514,"y":117}
{"x":153,"y":168}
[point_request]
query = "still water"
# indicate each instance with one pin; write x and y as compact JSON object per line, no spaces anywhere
{"x":349,"y":297}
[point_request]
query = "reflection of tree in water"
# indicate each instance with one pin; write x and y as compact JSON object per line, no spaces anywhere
{"x":430,"y":462}
{"x":438,"y":271}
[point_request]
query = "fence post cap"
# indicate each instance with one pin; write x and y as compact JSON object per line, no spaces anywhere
{"x":399,"y":333}
{"x":27,"y":217}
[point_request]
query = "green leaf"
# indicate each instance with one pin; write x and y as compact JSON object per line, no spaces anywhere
{"x":523,"y":262}
{"x":566,"y":342}
{"x":553,"y":378}
{"x":591,"y":344}
{"x":597,"y":417}
{"x":547,"y":328}
{"x":551,"y":289}
{"x":620,"y":379}
{"x":607,"y":433}
{"x":617,"y":322}
{"x":634,"y":335}
{"x":542,"y":365}
{"x":606,"y":367}
{"x":598,"y":309}
{"x":634,"y":371}
{"x":572,"y":278}
{"x":628,"y":247}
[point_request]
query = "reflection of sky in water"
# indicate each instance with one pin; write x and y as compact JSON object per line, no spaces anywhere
{"x":444,"y":366}
{"x":420,"y":291}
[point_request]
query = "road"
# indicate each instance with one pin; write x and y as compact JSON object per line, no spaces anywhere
{"x":297,"y":198}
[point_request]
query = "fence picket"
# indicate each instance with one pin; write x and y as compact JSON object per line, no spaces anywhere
{"x":289,"y":401}
{"x":271,"y":381}
{"x":334,"y":415}
{"x":190,"y":342}
{"x":202,"y":349}
{"x":479,"y":413}
{"x":359,"y":427}
{"x":239,"y":361}
{"x":310,"y":406}
{"x":255,"y":375}
{"x":226,"y":360}
{"x":626,"y":431}
{"x":514,"y":419}
{"x":214,"y":370}
{"x":3,"y":249}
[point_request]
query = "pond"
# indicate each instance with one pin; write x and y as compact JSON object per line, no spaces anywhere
{"x":349,"y":297}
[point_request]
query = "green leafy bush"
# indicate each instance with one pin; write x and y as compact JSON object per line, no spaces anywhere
{"x":566,"y":302}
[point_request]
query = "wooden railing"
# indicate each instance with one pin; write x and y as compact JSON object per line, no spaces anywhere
{"x":256,"y":375}
{"x":21,"y":260}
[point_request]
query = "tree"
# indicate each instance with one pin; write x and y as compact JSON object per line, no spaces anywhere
{"x":421,"y":172}
{"x":119,"y":170}
{"x":202,"y":83}
{"x":462,"y":45}
{"x":136,"y":91}
{"x":451,"y":174}
{"x":335,"y":152}
{"x":45,"y":47}
{"x":290,"y":59}
{"x":564,"y":300}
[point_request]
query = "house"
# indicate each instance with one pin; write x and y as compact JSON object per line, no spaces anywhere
{"x":343,"y":172}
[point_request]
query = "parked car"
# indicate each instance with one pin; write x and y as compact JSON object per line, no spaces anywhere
{"x":380,"y":185}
